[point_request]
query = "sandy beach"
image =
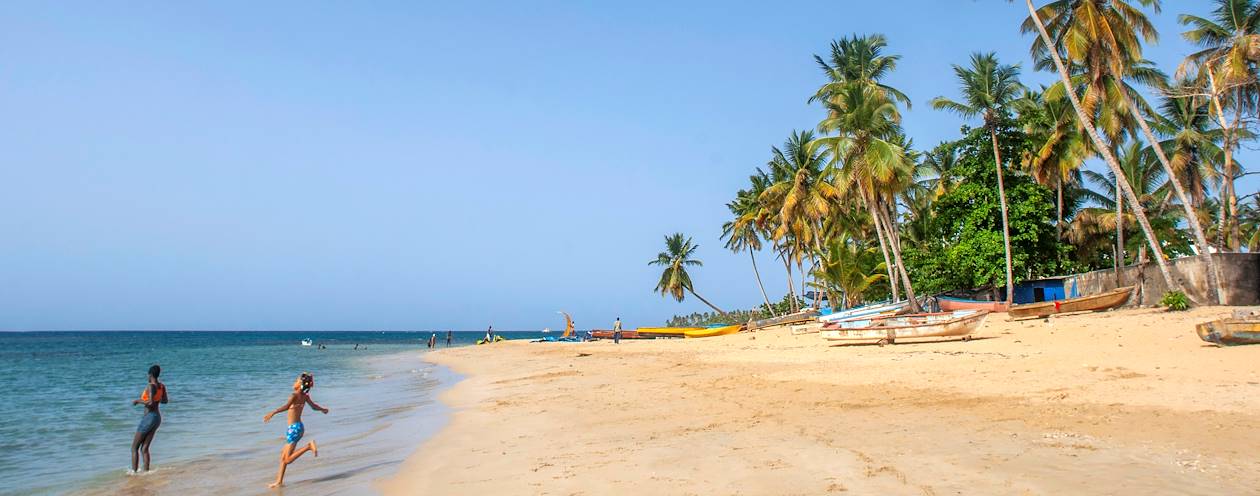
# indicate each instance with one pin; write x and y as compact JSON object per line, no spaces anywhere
{"x":1124,"y":402}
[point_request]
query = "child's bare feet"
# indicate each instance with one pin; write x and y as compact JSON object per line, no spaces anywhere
{"x":274,"y":485}
{"x":314,"y":449}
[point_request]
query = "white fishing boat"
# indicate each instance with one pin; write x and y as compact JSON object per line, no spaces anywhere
{"x":887,"y":330}
{"x":872,"y":310}
{"x":307,"y":342}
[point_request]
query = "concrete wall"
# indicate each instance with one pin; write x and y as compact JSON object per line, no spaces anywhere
{"x":1240,"y":279}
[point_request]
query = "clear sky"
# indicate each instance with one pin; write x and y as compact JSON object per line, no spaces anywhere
{"x":418,"y":165}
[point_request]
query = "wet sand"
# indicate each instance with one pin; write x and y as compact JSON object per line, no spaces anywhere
{"x":1125,"y":402}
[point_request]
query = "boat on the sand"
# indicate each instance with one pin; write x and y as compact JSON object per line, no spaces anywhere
{"x":949,"y":304}
{"x":872,"y":310}
{"x":605,"y":334}
{"x":791,"y":318}
{"x":665,"y":332}
{"x":709,"y":332}
{"x":1092,"y":303}
{"x":887,"y":330}
{"x":1230,"y":332}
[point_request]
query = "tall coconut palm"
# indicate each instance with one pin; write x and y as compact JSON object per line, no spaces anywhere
{"x":989,"y":90}
{"x":874,"y":165}
{"x":1071,"y":20}
{"x":1060,"y":147}
{"x":863,"y":110}
{"x":675,"y":281}
{"x":742,"y":234}
{"x":1228,"y":61}
{"x":1190,"y":142}
{"x":935,"y":167}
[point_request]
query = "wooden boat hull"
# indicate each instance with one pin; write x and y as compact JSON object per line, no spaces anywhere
{"x":951,"y":304}
{"x":713,"y":331}
{"x":792,"y":318}
{"x":865,"y":311}
{"x":807,"y":328}
{"x":624,"y":335}
{"x":1230,"y":332}
{"x":890,"y":329}
{"x":666,"y":332}
{"x":1092,"y":303}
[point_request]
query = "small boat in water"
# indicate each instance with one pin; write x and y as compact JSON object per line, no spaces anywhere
{"x":949,"y":304}
{"x":307,"y":342}
{"x":1230,"y":332}
{"x":713,"y":331}
{"x":791,"y":318}
{"x":1092,"y":303}
{"x":887,"y":330}
{"x":872,"y":310}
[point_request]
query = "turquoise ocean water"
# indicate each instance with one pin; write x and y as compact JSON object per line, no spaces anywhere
{"x":67,"y":421}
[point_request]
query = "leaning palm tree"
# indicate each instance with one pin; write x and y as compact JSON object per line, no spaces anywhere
{"x":1075,"y":23}
{"x":675,"y":281}
{"x":989,"y":89}
{"x":741,"y":233}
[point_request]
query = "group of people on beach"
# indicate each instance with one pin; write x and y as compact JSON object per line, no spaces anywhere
{"x":433,"y":339}
{"x":154,"y":395}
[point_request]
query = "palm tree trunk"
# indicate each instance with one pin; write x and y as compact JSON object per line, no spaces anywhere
{"x":1119,"y":232}
{"x":1006,"y":226}
{"x":706,"y":302}
{"x":791,"y":291}
{"x":901,"y":267}
{"x":1213,"y":276}
{"x":1235,"y":233}
{"x":1156,"y":251}
{"x":888,"y":265}
{"x":1226,"y":226}
{"x":1058,"y":222}
{"x":753,"y":256}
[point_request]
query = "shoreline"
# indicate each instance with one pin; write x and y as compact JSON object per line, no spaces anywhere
{"x":1129,"y":401}
{"x":374,"y":425}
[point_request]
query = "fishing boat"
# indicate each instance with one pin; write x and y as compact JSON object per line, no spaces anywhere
{"x":1092,"y":303}
{"x":1230,"y":332}
{"x":791,"y":318}
{"x":606,"y":334}
{"x":949,"y":304}
{"x":887,"y":330}
{"x":872,"y":310}
{"x":709,"y":332}
{"x":307,"y":342}
{"x":807,"y":328}
{"x":665,"y":332}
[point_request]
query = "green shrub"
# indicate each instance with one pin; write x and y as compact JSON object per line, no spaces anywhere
{"x":1175,"y":301}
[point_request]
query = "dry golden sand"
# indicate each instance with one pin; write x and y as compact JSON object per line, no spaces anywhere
{"x":1125,"y":402}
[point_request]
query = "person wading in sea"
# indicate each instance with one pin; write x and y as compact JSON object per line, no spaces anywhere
{"x":297,"y":402}
{"x":153,"y":395}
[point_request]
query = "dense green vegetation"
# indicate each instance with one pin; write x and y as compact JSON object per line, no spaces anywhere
{"x":855,"y":212}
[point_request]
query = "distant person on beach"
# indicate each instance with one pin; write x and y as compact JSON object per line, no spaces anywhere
{"x":433,"y":340}
{"x":490,"y":334}
{"x":448,"y":338}
{"x":297,"y":402}
{"x":153,"y":395}
{"x":617,"y":331}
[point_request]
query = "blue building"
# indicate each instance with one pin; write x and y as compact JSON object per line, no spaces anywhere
{"x":1051,"y":289}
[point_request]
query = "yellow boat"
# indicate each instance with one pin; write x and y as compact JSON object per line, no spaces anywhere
{"x":667,"y":332}
{"x":709,"y":332}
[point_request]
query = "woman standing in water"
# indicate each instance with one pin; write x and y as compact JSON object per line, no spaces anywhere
{"x":297,"y":402}
{"x":153,"y":395}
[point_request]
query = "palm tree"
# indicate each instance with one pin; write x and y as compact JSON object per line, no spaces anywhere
{"x":1230,"y":42}
{"x":1190,"y":143}
{"x":863,"y":110}
{"x":1071,"y":20}
{"x":849,"y":268}
{"x":1060,"y":146}
{"x":935,"y":167}
{"x":675,"y":281}
{"x":989,"y":89}
{"x":874,"y":165}
{"x":741,"y":233}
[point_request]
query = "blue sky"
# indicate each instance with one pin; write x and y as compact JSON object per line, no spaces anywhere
{"x":418,"y":165}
